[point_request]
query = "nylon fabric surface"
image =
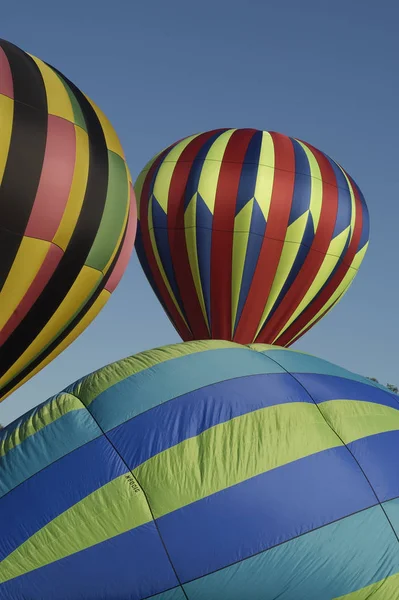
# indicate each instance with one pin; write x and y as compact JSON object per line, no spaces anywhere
{"x":204,"y":470}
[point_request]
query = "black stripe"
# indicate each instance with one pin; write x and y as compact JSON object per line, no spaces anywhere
{"x":26,"y":154}
{"x":20,"y":376}
{"x":79,"y":246}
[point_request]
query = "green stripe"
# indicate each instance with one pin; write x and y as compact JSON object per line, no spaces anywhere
{"x":114,"y":215}
{"x":353,"y":419}
{"x":116,"y":505}
{"x":232,"y":452}
{"x":38,"y":419}
{"x":77,"y":111}
{"x":386,"y":589}
{"x":254,"y":443}
{"x":95,"y":384}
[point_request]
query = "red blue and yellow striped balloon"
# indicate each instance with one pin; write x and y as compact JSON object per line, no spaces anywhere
{"x":204,"y":471}
{"x":248,"y":235}
{"x":67,"y":214}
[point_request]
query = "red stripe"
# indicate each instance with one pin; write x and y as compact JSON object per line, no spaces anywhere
{"x":333,"y":284}
{"x":316,"y":254}
{"x":55,"y":181}
{"x":44,"y":274}
{"x":272,"y":246}
{"x":127,"y":247}
{"x":6,"y":83}
{"x":152,"y":263}
{"x":223,"y":232}
{"x":177,"y":240}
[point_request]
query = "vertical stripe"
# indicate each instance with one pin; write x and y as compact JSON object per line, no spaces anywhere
{"x":127,"y":245}
{"x":272,"y":245}
{"x":55,"y":180}
{"x":222,"y":232}
{"x":25,"y":157}
{"x":6,"y":83}
{"x":316,"y":255}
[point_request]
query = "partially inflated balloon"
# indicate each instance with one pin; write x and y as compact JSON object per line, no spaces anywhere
{"x":67,"y":214}
{"x":248,"y":235}
{"x":204,"y":471}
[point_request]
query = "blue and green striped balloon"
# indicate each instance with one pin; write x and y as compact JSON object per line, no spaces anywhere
{"x":204,"y":471}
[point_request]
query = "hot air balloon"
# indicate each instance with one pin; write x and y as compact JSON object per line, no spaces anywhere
{"x":67,"y":214}
{"x":247,"y":235}
{"x":204,"y":471}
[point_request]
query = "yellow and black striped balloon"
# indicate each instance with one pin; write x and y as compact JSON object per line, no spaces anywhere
{"x":67,"y":214}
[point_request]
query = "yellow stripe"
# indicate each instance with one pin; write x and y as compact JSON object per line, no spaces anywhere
{"x":232,"y":452}
{"x":289,"y":253}
{"x":29,"y":259}
{"x":190,"y":231}
{"x":327,"y":267}
{"x":353,"y":202}
{"x":111,"y":510}
{"x":235,"y":451}
{"x":316,"y":186}
{"x":208,"y":182}
{"x":40,"y":418}
{"x":385,"y":589}
{"x":82,"y":288}
{"x":58,"y":101}
{"x":158,"y":259}
{"x":75,"y":333}
{"x":265,"y":175}
{"x":6,"y":121}
{"x":165,"y":172}
{"x":111,"y":138}
{"x":242,"y":224}
{"x":77,"y":191}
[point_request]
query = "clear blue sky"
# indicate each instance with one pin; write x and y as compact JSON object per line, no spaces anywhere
{"x":326,"y":72}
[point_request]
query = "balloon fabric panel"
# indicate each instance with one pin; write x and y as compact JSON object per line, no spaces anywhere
{"x":204,"y":470}
{"x":248,"y":235}
{"x":67,"y":214}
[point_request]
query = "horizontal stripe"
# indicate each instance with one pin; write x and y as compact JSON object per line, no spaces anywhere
{"x":62,"y":484}
{"x":320,"y":565}
{"x":46,"y":446}
{"x":131,"y":566}
{"x":107,"y":512}
{"x":164,"y":381}
{"x":233,"y":452}
{"x":191,"y":414}
{"x":298,"y":362}
{"x":90,"y":387}
{"x":378,"y":457}
{"x":327,"y":387}
{"x":386,"y":589}
{"x":264,"y":512}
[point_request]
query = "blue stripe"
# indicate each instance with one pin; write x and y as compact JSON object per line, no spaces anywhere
{"x":196,"y":168}
{"x":161,"y":233}
{"x":249,"y":172}
{"x":189,"y":415}
{"x":329,"y":387}
{"x":344,"y":212}
{"x":132,"y":566}
{"x":61,"y":485}
{"x":324,"y":564}
{"x":264,"y":511}
{"x":366,"y":219}
{"x":36,"y":452}
{"x":204,"y":220}
{"x":302,"y":184}
{"x":378,"y":456}
{"x":175,"y":594}
{"x":164,"y":381}
{"x":254,"y":246}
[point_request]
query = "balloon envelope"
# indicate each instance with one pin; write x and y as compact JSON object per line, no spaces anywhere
{"x":67,"y":214}
{"x":247,"y":235}
{"x":204,"y":471}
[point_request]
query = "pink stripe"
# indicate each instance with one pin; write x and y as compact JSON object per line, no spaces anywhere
{"x":127,"y":247}
{"x":6,"y":83}
{"x":48,"y":267}
{"x":55,"y":181}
